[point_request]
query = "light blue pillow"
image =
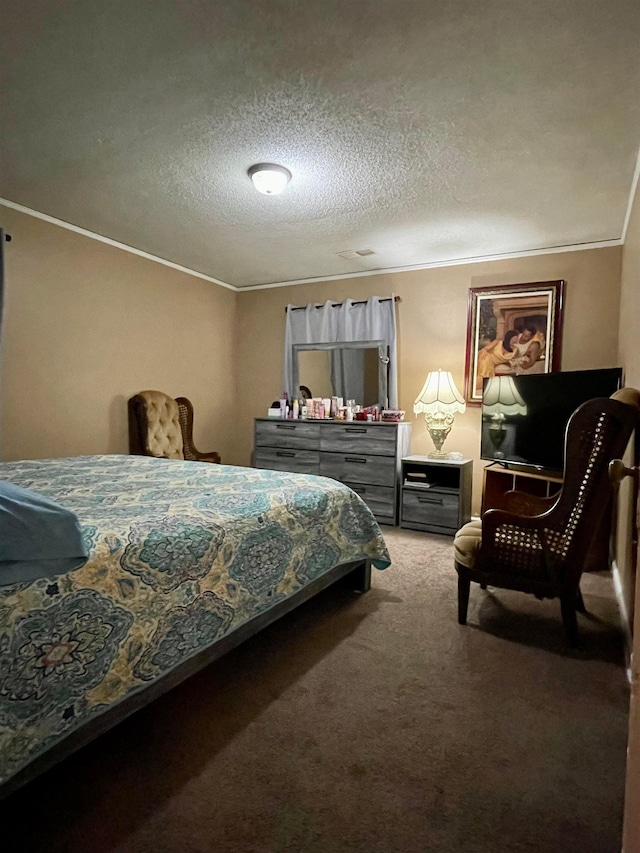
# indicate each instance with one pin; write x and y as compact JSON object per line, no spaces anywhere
{"x":38,"y":537}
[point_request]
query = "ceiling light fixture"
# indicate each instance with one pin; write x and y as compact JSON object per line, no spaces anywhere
{"x":269,"y":178}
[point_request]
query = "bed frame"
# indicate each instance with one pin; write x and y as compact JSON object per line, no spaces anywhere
{"x":359,"y":575}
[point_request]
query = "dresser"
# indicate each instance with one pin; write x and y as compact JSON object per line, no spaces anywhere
{"x":365,"y":456}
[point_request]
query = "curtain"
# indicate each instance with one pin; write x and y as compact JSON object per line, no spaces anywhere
{"x":347,"y":374}
{"x":372,"y":320}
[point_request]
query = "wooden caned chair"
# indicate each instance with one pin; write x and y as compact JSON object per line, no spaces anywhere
{"x":539,"y":545}
{"x":162,"y":426}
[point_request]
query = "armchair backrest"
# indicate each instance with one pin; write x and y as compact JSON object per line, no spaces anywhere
{"x":154,"y":425}
{"x":598,"y":431}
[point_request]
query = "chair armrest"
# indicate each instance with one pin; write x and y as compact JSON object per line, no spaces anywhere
{"x":212,"y":456}
{"x":495,"y":518}
{"x":207,"y":457}
{"x":527,"y":540}
{"x":186,"y":425}
{"x":520,"y":503}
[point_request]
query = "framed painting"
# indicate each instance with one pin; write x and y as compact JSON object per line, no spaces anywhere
{"x":512,"y":329}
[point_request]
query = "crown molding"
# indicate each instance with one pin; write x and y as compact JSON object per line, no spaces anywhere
{"x":101,"y":239}
{"x":454,"y":262}
{"x":576,"y":247}
{"x":634,"y":184}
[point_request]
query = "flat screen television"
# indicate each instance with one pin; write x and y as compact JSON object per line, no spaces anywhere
{"x":524,"y":417}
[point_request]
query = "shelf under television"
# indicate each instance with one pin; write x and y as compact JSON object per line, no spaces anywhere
{"x":499,"y":479}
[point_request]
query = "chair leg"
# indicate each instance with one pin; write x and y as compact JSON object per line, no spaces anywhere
{"x":569,"y":619}
{"x":464,"y":586}
{"x":580,"y":602}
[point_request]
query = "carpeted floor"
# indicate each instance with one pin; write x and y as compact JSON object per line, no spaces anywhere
{"x":365,"y":724}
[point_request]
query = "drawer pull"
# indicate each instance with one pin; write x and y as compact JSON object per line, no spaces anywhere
{"x":424,"y":500}
{"x":355,"y":459}
{"x":285,"y":426}
{"x":355,"y":429}
{"x":285,"y":453}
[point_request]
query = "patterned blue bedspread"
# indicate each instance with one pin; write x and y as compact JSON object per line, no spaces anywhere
{"x":181,"y":554}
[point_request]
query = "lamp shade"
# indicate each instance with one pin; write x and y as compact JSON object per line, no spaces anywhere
{"x":439,"y":395}
{"x":269,"y":178}
{"x":502,"y":397}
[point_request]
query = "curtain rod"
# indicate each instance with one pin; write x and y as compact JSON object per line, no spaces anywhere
{"x":338,"y":304}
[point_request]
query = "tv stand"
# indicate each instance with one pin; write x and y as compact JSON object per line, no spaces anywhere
{"x":498,"y":481}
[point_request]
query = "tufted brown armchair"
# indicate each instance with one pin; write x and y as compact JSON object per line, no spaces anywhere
{"x":539,"y":545}
{"x":163,"y":427}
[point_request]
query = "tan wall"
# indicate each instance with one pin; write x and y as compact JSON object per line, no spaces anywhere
{"x":432,"y":321}
{"x":630,"y":356}
{"x":86,"y":325}
{"x":629,"y":346}
{"x":314,"y":370}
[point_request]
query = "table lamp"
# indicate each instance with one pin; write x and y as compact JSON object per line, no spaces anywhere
{"x":439,"y":400}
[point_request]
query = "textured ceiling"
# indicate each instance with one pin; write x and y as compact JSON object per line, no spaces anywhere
{"x":426,"y":130}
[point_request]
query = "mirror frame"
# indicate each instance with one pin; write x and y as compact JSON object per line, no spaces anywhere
{"x":383,"y":362}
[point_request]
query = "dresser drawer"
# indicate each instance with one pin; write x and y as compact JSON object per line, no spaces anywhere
{"x":297,"y":461}
{"x":357,"y":468}
{"x":359,"y":437}
{"x":431,"y":507}
{"x":293,"y":434}
{"x":381,"y":500}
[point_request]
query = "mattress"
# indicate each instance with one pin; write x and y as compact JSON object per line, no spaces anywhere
{"x":181,"y":555}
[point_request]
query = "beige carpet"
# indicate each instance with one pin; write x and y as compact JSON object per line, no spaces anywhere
{"x":370,"y":723}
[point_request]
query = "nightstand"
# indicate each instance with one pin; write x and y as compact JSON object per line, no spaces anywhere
{"x":436,"y":494}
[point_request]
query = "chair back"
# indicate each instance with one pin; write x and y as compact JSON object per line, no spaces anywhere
{"x":154,"y":426}
{"x":598,"y":431}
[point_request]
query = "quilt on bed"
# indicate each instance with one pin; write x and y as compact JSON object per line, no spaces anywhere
{"x":181,"y":554}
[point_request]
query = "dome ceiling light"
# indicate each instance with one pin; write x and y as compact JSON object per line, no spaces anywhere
{"x":269,"y":178}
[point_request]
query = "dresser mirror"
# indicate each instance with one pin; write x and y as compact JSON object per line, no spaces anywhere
{"x":353,"y":370}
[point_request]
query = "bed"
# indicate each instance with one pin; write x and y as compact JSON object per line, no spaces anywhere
{"x":186,"y":560}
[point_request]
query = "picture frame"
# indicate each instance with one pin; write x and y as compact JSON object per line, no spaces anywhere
{"x":512,"y":329}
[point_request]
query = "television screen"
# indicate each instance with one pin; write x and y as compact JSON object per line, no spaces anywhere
{"x":524,"y":417}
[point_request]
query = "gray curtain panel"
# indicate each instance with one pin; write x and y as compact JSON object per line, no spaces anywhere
{"x":374,"y":319}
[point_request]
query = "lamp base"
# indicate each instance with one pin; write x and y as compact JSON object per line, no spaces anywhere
{"x":497,"y":435}
{"x":438,"y":433}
